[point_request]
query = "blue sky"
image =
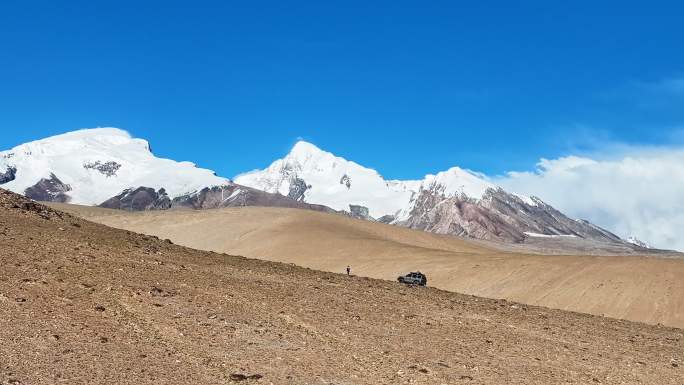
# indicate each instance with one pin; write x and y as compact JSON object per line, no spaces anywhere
{"x":405,"y":87}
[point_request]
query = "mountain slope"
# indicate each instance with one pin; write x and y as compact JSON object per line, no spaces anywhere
{"x":82,"y":303}
{"x":635,"y":287}
{"x":497,"y":216}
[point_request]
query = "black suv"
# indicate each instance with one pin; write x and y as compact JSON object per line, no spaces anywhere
{"x":413,"y":278}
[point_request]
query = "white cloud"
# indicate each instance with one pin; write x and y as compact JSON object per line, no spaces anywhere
{"x":638,"y":191}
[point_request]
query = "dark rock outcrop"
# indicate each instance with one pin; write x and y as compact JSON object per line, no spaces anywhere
{"x":228,"y":195}
{"x":346,"y":180}
{"x":297,"y":189}
{"x":105,"y":168}
{"x":360,"y":212}
{"x":49,"y":190}
{"x":9,"y":175}
{"x":387,"y":219}
{"x":234,"y":195}
{"x":139,"y":199}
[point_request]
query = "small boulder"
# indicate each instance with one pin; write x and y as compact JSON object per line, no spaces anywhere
{"x":237,"y":377}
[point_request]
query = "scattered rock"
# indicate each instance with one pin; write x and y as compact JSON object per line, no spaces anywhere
{"x":100,"y":308}
{"x":159,"y":292}
{"x":244,"y":377}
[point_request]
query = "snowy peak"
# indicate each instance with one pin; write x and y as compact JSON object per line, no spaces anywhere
{"x":312,"y":175}
{"x":96,"y":164}
{"x":308,"y":158}
{"x":108,"y":138}
{"x":304,"y":151}
{"x":457,"y":181}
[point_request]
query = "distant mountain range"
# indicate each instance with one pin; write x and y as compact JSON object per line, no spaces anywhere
{"x":109,"y":168}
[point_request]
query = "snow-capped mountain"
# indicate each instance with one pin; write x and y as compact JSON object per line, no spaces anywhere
{"x":90,"y":166}
{"x":456,"y":201}
{"x":312,"y":175}
{"x":108,"y":167}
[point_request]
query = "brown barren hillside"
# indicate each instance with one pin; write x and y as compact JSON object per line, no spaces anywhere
{"x":82,"y":303}
{"x":645,"y":289}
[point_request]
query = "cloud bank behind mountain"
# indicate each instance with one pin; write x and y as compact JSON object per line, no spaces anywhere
{"x":633,"y":191}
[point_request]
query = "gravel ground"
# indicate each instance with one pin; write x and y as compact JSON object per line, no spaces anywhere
{"x":82,"y":303}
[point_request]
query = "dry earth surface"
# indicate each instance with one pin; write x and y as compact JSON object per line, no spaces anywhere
{"x":82,"y":303}
{"x":645,"y":289}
